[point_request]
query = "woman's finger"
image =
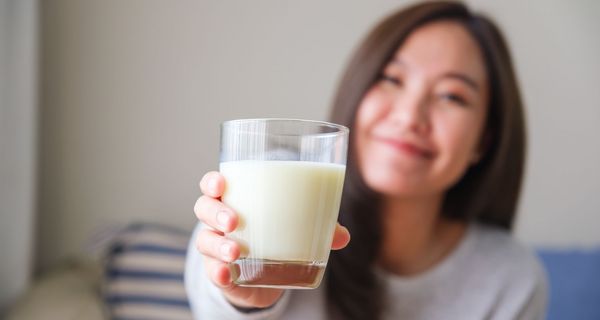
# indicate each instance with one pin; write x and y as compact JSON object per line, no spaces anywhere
{"x":218,"y":272}
{"x":212,"y":184}
{"x":211,"y":244}
{"x":341,"y":237}
{"x":215,"y":214}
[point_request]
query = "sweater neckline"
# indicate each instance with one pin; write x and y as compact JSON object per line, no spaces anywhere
{"x":437,"y":271}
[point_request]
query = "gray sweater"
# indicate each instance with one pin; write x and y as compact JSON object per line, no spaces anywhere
{"x":488,"y":276}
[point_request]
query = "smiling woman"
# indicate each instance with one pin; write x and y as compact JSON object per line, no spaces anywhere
{"x":470,"y":135}
{"x":433,"y":176}
{"x":420,"y":126}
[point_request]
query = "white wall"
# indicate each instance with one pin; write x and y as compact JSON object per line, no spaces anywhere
{"x":556,"y":48}
{"x":18,"y":109}
{"x":133,"y":93}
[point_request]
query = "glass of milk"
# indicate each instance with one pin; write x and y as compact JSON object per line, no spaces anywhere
{"x":284,"y":178}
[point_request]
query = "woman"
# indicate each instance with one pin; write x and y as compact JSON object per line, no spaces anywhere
{"x":433,"y":177}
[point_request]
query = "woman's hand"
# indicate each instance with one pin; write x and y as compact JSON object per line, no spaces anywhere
{"x":218,"y":250}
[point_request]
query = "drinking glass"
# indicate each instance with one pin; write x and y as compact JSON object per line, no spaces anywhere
{"x":284,"y":179}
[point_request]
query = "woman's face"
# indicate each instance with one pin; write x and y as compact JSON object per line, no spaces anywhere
{"x":419,"y":127}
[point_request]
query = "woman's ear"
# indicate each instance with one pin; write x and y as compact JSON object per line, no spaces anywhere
{"x":482,"y":148}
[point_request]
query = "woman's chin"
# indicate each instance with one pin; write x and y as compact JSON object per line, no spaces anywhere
{"x":395,"y":188}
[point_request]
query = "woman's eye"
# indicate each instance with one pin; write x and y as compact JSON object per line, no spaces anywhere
{"x":454,"y":98}
{"x":391,"y":79}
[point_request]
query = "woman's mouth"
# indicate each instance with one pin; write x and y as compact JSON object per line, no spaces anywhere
{"x":407,"y":147}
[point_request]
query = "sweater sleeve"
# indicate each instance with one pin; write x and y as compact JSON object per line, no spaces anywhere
{"x":206,"y":299}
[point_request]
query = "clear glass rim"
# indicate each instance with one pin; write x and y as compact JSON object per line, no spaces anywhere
{"x":341,"y":130}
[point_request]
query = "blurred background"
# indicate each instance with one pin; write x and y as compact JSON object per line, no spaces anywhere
{"x":110,"y":110}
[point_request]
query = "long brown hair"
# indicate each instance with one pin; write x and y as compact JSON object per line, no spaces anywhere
{"x":489,"y":190}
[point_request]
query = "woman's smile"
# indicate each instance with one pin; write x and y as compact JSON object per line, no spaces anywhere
{"x":406,"y":147}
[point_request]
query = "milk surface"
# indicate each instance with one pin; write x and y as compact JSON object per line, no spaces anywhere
{"x":287,"y":209}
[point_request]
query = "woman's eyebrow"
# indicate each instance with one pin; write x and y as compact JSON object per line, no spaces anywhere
{"x":462,"y":77}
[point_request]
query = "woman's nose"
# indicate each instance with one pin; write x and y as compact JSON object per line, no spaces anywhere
{"x":410,"y":112}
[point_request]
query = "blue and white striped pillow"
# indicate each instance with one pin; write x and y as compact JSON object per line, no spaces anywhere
{"x":144,"y":274}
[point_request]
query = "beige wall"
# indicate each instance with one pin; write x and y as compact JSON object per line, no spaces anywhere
{"x":18,"y":115}
{"x":133,"y":92}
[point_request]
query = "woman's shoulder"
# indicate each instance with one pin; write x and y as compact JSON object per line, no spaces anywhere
{"x":499,"y":244}
{"x":501,"y":261}
{"x":512,"y":262}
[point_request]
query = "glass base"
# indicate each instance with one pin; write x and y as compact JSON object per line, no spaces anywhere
{"x":277,"y":274}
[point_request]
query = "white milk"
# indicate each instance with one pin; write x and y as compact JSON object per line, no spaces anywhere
{"x":287,"y":209}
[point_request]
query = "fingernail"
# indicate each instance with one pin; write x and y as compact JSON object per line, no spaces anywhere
{"x":223,"y":218}
{"x":226,"y":250}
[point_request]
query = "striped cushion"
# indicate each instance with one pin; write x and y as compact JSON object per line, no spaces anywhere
{"x":144,"y":274}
